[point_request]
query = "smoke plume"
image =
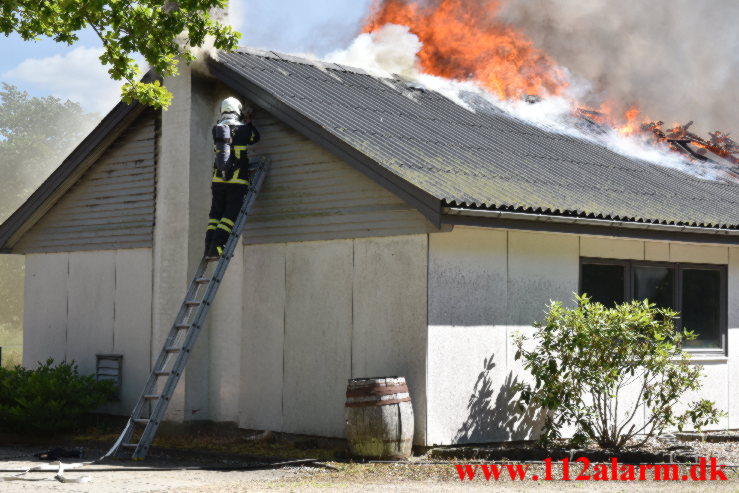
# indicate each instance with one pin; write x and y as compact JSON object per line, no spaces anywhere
{"x":676,"y":61}
{"x":392,"y":49}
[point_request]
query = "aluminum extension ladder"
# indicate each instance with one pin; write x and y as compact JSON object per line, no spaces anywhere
{"x":182,"y":337}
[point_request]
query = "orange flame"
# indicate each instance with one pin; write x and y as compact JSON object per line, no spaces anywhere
{"x":462,"y":40}
{"x":632,"y":124}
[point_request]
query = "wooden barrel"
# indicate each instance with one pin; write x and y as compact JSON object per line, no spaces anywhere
{"x":379,"y":418}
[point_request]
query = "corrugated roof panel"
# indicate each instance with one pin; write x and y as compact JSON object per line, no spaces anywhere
{"x":483,"y":159}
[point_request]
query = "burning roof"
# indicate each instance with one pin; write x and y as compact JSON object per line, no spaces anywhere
{"x":717,"y":156}
{"x":463,"y":43}
{"x":467,"y":40}
{"x":477,"y":160}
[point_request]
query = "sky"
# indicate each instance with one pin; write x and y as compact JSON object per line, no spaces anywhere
{"x":74,"y":72}
{"x":687,"y":70}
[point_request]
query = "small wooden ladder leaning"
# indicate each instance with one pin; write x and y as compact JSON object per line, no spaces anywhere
{"x":152,"y":404}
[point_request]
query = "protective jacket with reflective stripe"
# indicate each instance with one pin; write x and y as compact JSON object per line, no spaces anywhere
{"x":242,"y":136}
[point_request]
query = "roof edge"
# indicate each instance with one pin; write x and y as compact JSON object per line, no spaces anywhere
{"x":580,"y":225}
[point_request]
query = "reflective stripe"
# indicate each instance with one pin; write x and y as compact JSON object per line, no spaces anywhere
{"x":235,"y":180}
{"x":212,"y":227}
{"x":224,"y":228}
{"x":216,"y":177}
{"x":213,"y":221}
{"x":227,"y":221}
{"x":237,"y":151}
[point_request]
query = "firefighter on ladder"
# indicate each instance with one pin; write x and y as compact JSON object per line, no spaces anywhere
{"x":232,"y":136}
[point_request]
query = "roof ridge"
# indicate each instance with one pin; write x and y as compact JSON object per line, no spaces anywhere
{"x":307,"y":59}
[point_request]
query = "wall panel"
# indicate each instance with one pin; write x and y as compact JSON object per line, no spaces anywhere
{"x":389,"y":327}
{"x":45,"y":307}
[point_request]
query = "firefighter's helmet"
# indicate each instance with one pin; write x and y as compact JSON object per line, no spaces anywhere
{"x":231,"y":105}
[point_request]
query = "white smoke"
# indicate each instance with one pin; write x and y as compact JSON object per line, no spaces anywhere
{"x":393,"y":51}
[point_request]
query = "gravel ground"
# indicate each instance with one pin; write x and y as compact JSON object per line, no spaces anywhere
{"x":372,"y":478}
{"x":415,"y":476}
{"x":123,"y":480}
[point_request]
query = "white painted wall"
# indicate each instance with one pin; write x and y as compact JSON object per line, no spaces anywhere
{"x":318,"y":336}
{"x":485,"y":285}
{"x":263,"y":337}
{"x":82,"y":304}
{"x":132,"y":321}
{"x":45,"y":308}
{"x":91,"y":306}
{"x":468,"y":303}
{"x":224,"y":332}
{"x":294,"y":321}
{"x":389,"y":315}
{"x":319,"y":313}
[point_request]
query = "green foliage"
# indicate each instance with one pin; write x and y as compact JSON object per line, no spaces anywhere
{"x":163,"y":32}
{"x":587,"y":358}
{"x":35,"y":134}
{"x":51,"y":398}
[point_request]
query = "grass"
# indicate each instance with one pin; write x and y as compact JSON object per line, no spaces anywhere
{"x":219,"y":438}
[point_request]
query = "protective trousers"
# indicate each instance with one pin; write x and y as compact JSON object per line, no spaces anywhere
{"x":227,"y":201}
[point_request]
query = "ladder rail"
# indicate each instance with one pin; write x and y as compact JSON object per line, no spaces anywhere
{"x":198,"y":315}
{"x":159,"y":364}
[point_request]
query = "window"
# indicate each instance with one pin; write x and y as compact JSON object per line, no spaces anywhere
{"x":697,"y":292}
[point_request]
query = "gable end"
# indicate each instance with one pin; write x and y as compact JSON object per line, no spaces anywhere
{"x":111,"y":206}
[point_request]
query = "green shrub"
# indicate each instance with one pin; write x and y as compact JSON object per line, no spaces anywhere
{"x":585,"y":359}
{"x":51,"y":398}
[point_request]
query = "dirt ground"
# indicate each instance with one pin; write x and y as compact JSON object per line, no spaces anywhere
{"x":127,"y":477}
{"x":367,"y":478}
{"x":340,"y":477}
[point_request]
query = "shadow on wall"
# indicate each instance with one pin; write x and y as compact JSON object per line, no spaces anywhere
{"x":495,"y":415}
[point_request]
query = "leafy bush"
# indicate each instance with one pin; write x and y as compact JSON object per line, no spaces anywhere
{"x":51,"y":398}
{"x":585,"y":358}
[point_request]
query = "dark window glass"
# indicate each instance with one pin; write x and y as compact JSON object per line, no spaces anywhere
{"x":655,"y":284}
{"x":701,"y":309}
{"x":603,"y":283}
{"x":695,"y":292}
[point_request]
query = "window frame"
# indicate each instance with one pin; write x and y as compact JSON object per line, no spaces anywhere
{"x":677,"y":267}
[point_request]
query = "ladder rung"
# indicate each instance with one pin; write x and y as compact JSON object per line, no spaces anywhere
{"x":172,"y":349}
{"x":182,"y":326}
{"x":162,"y":373}
{"x":193,"y":302}
{"x":202,"y":280}
{"x":152,"y":397}
{"x":129,"y":445}
{"x":141,"y":421}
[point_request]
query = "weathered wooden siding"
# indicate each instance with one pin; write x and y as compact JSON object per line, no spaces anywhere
{"x":111,"y":206}
{"x":312,"y":195}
